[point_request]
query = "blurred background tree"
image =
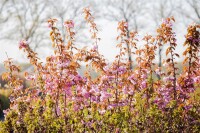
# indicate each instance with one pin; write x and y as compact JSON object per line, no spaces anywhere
{"x":190,"y":11}
{"x":27,"y":18}
{"x":130,"y":11}
{"x":162,"y":9}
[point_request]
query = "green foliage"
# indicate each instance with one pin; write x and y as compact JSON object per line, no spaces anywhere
{"x":40,"y":119}
{"x":4,"y":100}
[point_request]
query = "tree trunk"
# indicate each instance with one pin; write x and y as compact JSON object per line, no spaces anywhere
{"x":129,"y":52}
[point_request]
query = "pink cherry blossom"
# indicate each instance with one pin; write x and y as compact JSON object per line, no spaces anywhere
{"x":126,"y":24}
{"x":19,"y":88}
{"x":85,"y":93}
{"x":144,"y":84}
{"x":69,"y":24}
{"x":95,"y":47}
{"x":105,"y":96}
{"x":102,"y":111}
{"x":50,"y":25}
{"x":23,"y":44}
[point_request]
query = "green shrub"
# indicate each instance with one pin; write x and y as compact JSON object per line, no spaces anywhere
{"x":4,"y":100}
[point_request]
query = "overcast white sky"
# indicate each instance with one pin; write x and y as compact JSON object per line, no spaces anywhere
{"x":107,"y":33}
{"x":107,"y":45}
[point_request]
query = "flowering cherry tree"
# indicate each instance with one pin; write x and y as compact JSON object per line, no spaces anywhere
{"x":119,"y":99}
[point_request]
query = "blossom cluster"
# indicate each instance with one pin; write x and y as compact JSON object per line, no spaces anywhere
{"x":121,"y":98}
